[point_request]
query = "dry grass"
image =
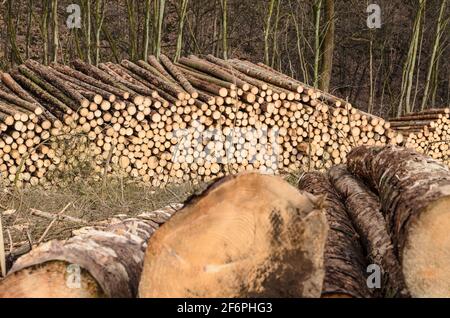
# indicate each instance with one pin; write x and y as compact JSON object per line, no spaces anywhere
{"x":85,"y":199}
{"x":89,"y":201}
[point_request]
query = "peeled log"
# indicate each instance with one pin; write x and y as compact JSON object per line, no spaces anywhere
{"x":345,"y":264}
{"x":414,"y":191}
{"x":248,"y":235}
{"x":364,"y":208}
{"x":109,"y":258}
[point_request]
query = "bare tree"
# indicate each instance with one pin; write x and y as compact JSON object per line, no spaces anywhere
{"x":267,"y":31}
{"x":99,"y":19}
{"x":224,"y":29}
{"x":55,"y":31}
{"x":146,"y":29}
{"x":16,"y":57}
{"x":326,"y":66}
{"x":441,"y":25}
{"x":181,"y":17}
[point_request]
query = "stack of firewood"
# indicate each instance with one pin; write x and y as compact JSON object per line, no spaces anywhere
{"x":427,"y":132}
{"x":162,"y":122}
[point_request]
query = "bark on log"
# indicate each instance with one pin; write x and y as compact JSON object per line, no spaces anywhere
{"x":45,"y":85}
{"x":35,"y":108}
{"x":41,"y":93}
{"x":415,"y":194}
{"x":246,"y":236}
{"x":364,"y":208}
{"x":101,"y":261}
{"x":265,"y":76}
{"x":214,"y":70}
{"x":15,"y":87}
{"x":168,"y":87}
{"x":137,"y":87}
{"x":178,"y":75}
{"x":153,"y":61}
{"x":345,"y":264}
{"x":48,"y":74}
{"x":257,"y":83}
{"x":97,"y":73}
{"x":108,"y":92}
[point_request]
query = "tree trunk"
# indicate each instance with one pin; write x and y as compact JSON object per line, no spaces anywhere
{"x":326,"y":65}
{"x":12,"y":33}
{"x":267,"y":32}
{"x":99,"y":18}
{"x":344,"y":262}
{"x":104,"y":261}
{"x":182,"y":16}
{"x":317,"y":7}
{"x":146,"y":44}
{"x":224,"y":29}
{"x":88,"y":31}
{"x":161,"y":9}
{"x":29,"y":22}
{"x":414,"y":192}
{"x":55,"y":32}
{"x":248,"y":235}
{"x":440,"y":25}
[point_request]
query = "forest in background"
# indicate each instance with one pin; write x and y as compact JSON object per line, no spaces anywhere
{"x":402,"y":66}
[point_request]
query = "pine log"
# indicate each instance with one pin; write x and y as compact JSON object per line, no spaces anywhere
{"x":108,"y":92}
{"x":265,"y":76}
{"x":224,"y":64}
{"x":15,"y":87}
{"x":97,"y":73}
{"x":109,"y":255}
{"x":178,"y":75}
{"x":364,"y":208}
{"x":153,"y":61}
{"x":168,"y":87}
{"x":48,"y":87}
{"x":345,"y":264}
{"x":48,"y":74}
{"x":35,"y":108}
{"x":248,"y":235}
{"x":40,"y":93}
{"x":214,"y":70}
{"x":414,"y":191}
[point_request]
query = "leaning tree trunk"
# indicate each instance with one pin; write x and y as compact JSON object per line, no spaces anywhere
{"x":248,"y":235}
{"x":415,"y":195}
{"x":364,"y":208}
{"x":344,"y":257}
{"x":101,"y":261}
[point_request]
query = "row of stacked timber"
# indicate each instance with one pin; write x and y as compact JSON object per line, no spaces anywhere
{"x":375,"y":227}
{"x":427,"y":132}
{"x":162,"y":122}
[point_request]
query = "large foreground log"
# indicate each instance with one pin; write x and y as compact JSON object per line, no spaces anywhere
{"x":345,"y":263}
{"x":364,"y":208}
{"x":248,"y":235}
{"x":101,"y":261}
{"x":415,"y":195}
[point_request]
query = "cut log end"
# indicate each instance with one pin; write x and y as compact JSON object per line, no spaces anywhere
{"x":50,"y":280}
{"x":426,"y":261}
{"x":223,"y":92}
{"x":246,"y":236}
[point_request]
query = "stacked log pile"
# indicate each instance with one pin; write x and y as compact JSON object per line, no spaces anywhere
{"x":162,"y":122}
{"x":427,"y":132}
